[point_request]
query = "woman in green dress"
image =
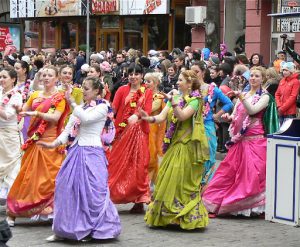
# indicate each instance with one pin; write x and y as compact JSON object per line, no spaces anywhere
{"x":176,"y":199}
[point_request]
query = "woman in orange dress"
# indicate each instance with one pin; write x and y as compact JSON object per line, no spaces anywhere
{"x":157,"y":130}
{"x":32,"y":193}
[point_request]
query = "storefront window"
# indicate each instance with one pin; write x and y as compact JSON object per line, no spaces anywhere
{"x":31,"y":34}
{"x":82,"y":35}
{"x":133,"y":32}
{"x":48,"y":34}
{"x":68,"y":35}
{"x":182,"y":35}
{"x":110,"y":21}
{"x":158,"y":32}
{"x":235,"y":24}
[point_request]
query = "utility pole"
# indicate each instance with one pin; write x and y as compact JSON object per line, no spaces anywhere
{"x":87,"y":54}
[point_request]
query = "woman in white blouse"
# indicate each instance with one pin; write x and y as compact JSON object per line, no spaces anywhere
{"x":82,"y":205}
{"x":10,"y":142}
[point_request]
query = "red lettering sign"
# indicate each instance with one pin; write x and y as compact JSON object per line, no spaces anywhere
{"x":104,"y":6}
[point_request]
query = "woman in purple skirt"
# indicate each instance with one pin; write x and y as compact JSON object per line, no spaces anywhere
{"x":82,"y":205}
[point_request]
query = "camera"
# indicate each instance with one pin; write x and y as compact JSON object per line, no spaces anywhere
{"x":283,"y":36}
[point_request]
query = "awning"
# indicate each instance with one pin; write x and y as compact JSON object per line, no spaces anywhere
{"x":285,"y":15}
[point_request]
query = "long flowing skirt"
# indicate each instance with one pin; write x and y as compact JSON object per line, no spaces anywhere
{"x":32,"y":192}
{"x":176,"y":198}
{"x":240,"y":181}
{"x":82,"y":205}
{"x":128,"y":167}
{"x":156,"y":137}
{"x":10,"y":158}
{"x":210,"y":165}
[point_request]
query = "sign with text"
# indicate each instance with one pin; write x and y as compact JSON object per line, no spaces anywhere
{"x":105,"y":7}
{"x":10,"y":39}
{"x":22,"y":8}
{"x":144,"y":7}
{"x":287,"y":25}
{"x":49,"y":8}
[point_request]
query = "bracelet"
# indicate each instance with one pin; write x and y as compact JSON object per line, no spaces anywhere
{"x":241,"y":97}
{"x":174,"y":105}
{"x":152,"y":120}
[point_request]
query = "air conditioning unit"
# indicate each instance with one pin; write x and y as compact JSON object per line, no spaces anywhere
{"x":195,"y":15}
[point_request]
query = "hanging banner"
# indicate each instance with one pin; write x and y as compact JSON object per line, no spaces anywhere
{"x":144,"y":7}
{"x":105,"y":7}
{"x":22,"y":8}
{"x":10,"y":37}
{"x":49,"y":8}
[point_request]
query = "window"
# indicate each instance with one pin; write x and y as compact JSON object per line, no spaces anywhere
{"x":68,"y":35}
{"x":158,"y":32}
{"x":48,"y":34}
{"x":110,"y":21}
{"x":31,"y":34}
{"x":82,"y":34}
{"x":133,"y":32}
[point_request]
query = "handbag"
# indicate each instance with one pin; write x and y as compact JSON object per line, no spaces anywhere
{"x":5,"y":232}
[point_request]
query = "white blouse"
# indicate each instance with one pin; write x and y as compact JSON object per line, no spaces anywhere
{"x":92,"y":121}
{"x":10,"y":119}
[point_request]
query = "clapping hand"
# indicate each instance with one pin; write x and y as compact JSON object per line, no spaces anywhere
{"x":144,"y":115}
{"x":226,"y":117}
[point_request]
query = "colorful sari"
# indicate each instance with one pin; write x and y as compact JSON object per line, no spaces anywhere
{"x":129,"y":158}
{"x":33,"y":190}
{"x":156,"y":137}
{"x":176,"y":199}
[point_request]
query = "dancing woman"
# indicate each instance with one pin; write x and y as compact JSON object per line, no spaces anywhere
{"x":239,"y":184}
{"x":129,"y":158}
{"x":23,"y":86}
{"x":157,"y":130}
{"x":213,"y":94}
{"x":66,"y":73}
{"x":176,"y":199}
{"x":87,"y":211}
{"x":33,"y":190}
{"x":10,"y":142}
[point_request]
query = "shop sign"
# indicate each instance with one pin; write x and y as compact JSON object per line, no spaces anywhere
{"x":105,"y":7}
{"x":290,"y":24}
{"x":10,"y":37}
{"x":49,"y":8}
{"x":22,"y":8}
{"x":144,"y":7}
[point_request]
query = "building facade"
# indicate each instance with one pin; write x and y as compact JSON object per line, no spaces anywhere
{"x":142,"y":24}
{"x":245,"y":24}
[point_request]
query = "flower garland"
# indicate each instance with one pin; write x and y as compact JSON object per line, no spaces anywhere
{"x":43,"y":125}
{"x":245,"y":124}
{"x":173,"y":123}
{"x":210,"y":95}
{"x":133,"y":104}
{"x":7,"y":97}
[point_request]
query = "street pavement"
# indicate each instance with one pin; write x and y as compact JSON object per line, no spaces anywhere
{"x":229,"y":231}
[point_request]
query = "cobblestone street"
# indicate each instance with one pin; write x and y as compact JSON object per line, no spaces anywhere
{"x":231,"y":231}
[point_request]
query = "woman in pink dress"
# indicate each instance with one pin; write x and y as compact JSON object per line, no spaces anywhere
{"x":239,"y":184}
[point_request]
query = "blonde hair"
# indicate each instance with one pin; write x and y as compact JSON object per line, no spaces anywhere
{"x":262,"y":71}
{"x":191,"y":77}
{"x":272,"y":73}
{"x":154,"y":76}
